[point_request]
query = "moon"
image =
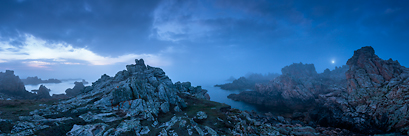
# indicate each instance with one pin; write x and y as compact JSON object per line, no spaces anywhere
{"x":333,"y":61}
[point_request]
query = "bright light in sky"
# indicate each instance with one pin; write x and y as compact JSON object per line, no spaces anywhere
{"x":333,"y":61}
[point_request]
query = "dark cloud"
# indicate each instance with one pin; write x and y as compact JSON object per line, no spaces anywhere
{"x":228,"y":37}
{"x":100,"y":25}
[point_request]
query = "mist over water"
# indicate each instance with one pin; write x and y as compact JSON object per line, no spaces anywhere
{"x":56,"y":88}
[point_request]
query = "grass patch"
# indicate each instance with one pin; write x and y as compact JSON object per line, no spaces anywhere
{"x":12,"y":109}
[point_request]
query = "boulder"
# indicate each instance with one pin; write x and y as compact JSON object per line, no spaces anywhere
{"x":77,"y":89}
{"x":42,"y":92}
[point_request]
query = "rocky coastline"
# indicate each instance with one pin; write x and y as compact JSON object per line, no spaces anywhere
{"x":142,"y":100}
{"x":368,"y":96}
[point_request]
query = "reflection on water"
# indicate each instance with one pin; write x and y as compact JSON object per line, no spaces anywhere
{"x":220,"y":95}
{"x":56,"y":88}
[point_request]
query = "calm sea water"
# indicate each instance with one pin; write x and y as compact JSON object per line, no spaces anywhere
{"x":56,"y":88}
{"x":220,"y":95}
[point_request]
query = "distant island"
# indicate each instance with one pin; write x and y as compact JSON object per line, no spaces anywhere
{"x":35,"y":81}
{"x":247,"y":82}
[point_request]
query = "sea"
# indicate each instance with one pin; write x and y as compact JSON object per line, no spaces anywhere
{"x":56,"y":88}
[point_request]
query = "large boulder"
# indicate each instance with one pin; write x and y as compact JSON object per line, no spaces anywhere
{"x":77,"y":89}
{"x":42,"y":92}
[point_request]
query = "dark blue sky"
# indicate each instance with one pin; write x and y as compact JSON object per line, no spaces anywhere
{"x":195,"y":40}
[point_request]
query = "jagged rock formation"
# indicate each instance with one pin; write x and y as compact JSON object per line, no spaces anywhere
{"x":139,"y":94}
{"x":12,"y":86}
{"x":247,"y":83}
{"x":42,"y":92}
{"x":375,"y":99}
{"x":296,"y":88}
{"x":77,"y":89}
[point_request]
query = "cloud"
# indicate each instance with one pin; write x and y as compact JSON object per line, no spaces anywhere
{"x":39,"y":53}
{"x":38,"y":64}
{"x":97,"y":24}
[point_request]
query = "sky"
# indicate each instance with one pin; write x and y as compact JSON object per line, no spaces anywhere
{"x":201,"y":41}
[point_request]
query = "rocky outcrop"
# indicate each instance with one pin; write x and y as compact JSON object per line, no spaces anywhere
{"x":239,"y":84}
{"x":35,"y":81}
{"x":375,"y":99}
{"x":197,"y":92}
{"x":77,"y":89}
{"x":138,"y":94}
{"x":42,"y":92}
{"x":297,"y":88}
{"x":11,"y":85}
{"x":299,"y":70}
{"x":248,"y":82}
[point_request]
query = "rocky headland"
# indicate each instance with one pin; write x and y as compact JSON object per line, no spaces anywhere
{"x":247,"y":82}
{"x":297,"y":87}
{"x":368,"y":96}
{"x":36,"y":81}
{"x":376,"y":97}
